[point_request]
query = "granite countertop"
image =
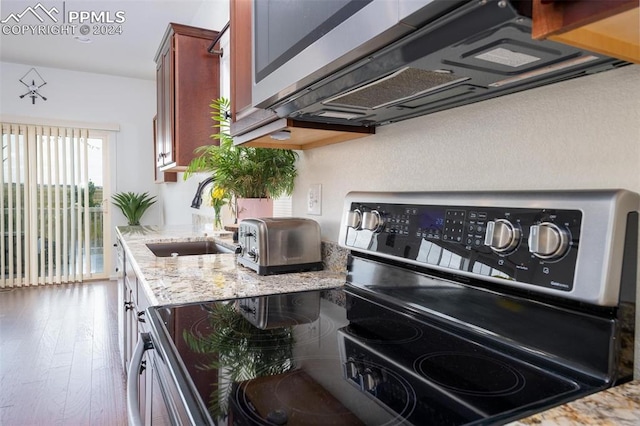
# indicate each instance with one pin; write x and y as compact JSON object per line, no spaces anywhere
{"x":191,"y":279}
{"x":615,"y":406}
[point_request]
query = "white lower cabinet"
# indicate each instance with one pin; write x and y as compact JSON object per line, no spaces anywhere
{"x":132,"y":303}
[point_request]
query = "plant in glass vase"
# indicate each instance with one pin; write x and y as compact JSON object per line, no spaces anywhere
{"x":219,"y":198}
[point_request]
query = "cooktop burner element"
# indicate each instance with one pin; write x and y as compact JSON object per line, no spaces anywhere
{"x":470,"y":374}
{"x":388,"y":332}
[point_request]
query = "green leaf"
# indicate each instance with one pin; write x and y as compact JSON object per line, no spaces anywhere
{"x":133,"y":205}
{"x":244,"y":172}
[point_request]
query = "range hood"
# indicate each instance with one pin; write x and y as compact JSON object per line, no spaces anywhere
{"x":479,"y":50}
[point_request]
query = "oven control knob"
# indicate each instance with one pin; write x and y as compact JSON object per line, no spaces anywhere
{"x":548,"y":241}
{"x":372,"y":221}
{"x":352,"y":369}
{"x":370,"y":380}
{"x":502,"y":236}
{"x":354,"y":219}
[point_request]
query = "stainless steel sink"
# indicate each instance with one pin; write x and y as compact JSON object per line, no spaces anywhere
{"x":187,"y":248}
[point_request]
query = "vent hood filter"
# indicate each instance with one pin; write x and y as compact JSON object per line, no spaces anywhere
{"x":399,"y":86}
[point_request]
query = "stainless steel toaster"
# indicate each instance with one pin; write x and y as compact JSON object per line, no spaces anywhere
{"x":279,"y":245}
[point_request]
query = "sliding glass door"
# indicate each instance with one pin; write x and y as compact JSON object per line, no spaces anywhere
{"x":52,"y":196}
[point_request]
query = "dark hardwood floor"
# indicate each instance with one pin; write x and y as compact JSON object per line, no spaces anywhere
{"x":59,"y":358}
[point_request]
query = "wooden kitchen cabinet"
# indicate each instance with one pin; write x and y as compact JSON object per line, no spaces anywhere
{"x":608,"y":27}
{"x":187,"y":79}
{"x":252,"y":126}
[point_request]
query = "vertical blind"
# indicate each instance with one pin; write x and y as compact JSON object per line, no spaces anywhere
{"x":44,"y":201}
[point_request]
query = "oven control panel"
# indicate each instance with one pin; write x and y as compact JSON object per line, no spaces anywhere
{"x":535,"y":246}
{"x":535,"y":241}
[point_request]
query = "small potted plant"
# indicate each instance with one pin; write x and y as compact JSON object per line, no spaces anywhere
{"x":259,"y":174}
{"x":133,"y":205}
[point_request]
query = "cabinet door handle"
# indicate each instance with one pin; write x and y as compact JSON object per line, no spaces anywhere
{"x":140,"y":319}
{"x":128,"y":306}
{"x":133,"y":392}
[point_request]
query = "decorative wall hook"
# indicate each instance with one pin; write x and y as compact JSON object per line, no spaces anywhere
{"x":36,"y":83}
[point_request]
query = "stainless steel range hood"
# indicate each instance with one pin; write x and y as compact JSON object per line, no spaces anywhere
{"x":480,"y":50}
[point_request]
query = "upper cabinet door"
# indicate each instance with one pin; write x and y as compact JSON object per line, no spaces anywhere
{"x":188,"y":80}
{"x":164,"y":139}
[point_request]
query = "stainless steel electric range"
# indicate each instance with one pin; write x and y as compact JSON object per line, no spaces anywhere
{"x":458,"y":308}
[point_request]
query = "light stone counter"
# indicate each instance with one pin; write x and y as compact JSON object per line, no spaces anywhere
{"x":191,"y":279}
{"x":615,"y":406}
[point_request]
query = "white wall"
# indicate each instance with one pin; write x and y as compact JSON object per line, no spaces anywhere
{"x":582,"y":133}
{"x":95,"y":98}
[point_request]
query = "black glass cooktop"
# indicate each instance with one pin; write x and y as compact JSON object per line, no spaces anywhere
{"x":310,"y":359}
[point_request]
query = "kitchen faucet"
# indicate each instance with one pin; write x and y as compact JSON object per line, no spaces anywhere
{"x":197,"y":199}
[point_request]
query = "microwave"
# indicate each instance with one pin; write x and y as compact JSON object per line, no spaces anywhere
{"x":375,"y":62}
{"x":297,"y":42}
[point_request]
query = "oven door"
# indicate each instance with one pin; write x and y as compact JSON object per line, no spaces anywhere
{"x":162,"y":397}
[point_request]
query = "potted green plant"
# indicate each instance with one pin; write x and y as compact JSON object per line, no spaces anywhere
{"x":244,"y":172}
{"x":133,"y":205}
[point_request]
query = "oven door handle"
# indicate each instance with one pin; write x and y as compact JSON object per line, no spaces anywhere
{"x":133,"y":407}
